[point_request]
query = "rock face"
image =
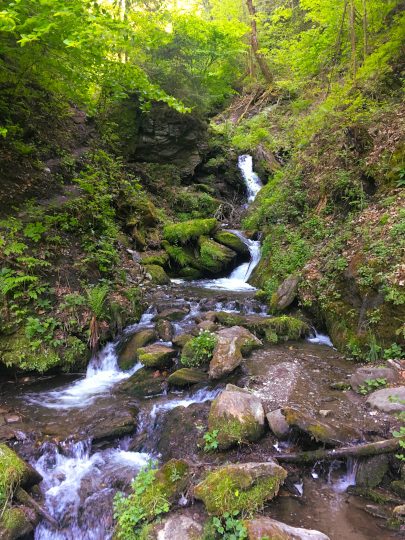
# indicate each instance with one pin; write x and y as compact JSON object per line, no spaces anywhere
{"x":265,"y":527}
{"x":166,"y":136}
{"x":128,"y":355}
{"x":285,"y":294}
{"x":361,"y":375}
{"x":187,"y":376}
{"x":179,"y":527}
{"x":156,"y":356}
{"x":237,"y":415}
{"x":278,"y":424}
{"x":388,"y":399}
{"x":371,"y":471}
{"x":232,"y":343}
{"x":144,"y":383}
{"x":255,"y":484}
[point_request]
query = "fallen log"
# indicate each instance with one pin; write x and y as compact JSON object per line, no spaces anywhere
{"x":23,"y":497}
{"x":366,"y":449}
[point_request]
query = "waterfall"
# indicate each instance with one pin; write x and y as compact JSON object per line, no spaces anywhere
{"x":252,"y":181}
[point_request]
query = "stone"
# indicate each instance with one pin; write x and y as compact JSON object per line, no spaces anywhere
{"x":15,"y":471}
{"x":399,"y":510}
{"x":255,"y":484}
{"x":214,"y":258}
{"x":127,"y":358}
{"x":164,"y":329}
{"x":285,"y":294}
{"x":206,"y":325}
{"x":15,"y":524}
{"x":156,"y":356}
{"x":266,"y":527}
{"x":387,"y":399}
{"x":12,"y":418}
{"x":156,"y":274}
{"x":371,"y":470}
{"x":238,"y":416}
{"x":319,"y":431}
{"x":361,"y":375}
{"x":325,"y":413}
{"x":232,"y":344}
{"x":173,"y":314}
{"x":187,"y":376}
{"x":179,"y":527}
{"x":278,"y":424}
{"x":398,"y":487}
{"x":145,"y":383}
{"x":181,"y":340}
{"x":232,"y":241}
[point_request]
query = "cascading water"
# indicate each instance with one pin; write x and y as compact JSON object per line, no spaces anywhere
{"x":252,"y":181}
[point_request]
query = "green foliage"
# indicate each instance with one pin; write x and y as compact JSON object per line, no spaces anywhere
{"x":146,"y":502}
{"x":394,"y":351}
{"x":372,"y":384}
{"x":96,"y":299}
{"x":40,"y":331}
{"x":229,"y":527}
{"x":189,"y":230}
{"x":211,"y":440}
{"x":199,"y":350}
{"x":12,"y":469}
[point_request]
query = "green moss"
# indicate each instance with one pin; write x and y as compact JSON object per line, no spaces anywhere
{"x":214,"y":257}
{"x":232,"y":431}
{"x":190,"y":273}
{"x":232,"y":241}
{"x":16,"y":352}
{"x":228,"y":490}
{"x":189,"y":230}
{"x":12,"y":471}
{"x":158,"y":275}
{"x":180,"y":255}
{"x":160,"y":259}
{"x":14,"y":524}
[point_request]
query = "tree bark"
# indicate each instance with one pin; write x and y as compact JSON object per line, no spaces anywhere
{"x":254,"y":42}
{"x":367,"y":449}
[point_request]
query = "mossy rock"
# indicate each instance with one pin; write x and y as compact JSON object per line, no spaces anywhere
{"x":187,"y":376}
{"x":398,"y":487}
{"x":161,"y":258}
{"x":190,"y":273}
{"x":214,"y":257}
{"x":182,"y":233}
{"x":254,"y":484}
{"x":272,"y":329}
{"x":181,"y":340}
{"x":156,"y":356}
{"x":180,"y":256}
{"x":172,"y":314}
{"x":16,"y":353}
{"x":14,"y":524}
{"x":232,"y":241}
{"x":14,"y":472}
{"x":173,"y":476}
{"x":371,"y":471}
{"x":143,"y":384}
{"x":157,"y":274}
{"x":128,"y":355}
{"x":145,"y":212}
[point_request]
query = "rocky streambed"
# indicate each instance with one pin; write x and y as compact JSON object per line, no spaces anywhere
{"x":271,"y":388}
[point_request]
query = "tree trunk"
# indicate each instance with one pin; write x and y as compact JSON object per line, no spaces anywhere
{"x":367,"y":449}
{"x":267,"y":74}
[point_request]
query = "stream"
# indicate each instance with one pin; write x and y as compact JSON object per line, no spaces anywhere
{"x":82,"y":469}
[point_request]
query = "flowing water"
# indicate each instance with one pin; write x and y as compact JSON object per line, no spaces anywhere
{"x":81,"y":475}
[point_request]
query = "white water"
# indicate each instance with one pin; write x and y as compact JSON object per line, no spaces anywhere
{"x":66,"y":472}
{"x":252,"y":181}
{"x":320,"y":339}
{"x":102,"y":374}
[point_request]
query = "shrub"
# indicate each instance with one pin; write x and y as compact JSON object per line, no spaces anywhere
{"x":199,"y":350}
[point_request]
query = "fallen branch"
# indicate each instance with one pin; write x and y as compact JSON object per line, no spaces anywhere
{"x":22,"y":496}
{"x":367,"y":449}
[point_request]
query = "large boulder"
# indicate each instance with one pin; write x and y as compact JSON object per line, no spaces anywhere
{"x":278,"y":424}
{"x":285,"y":294}
{"x":237,"y":415}
{"x":164,"y":329}
{"x":232,"y":344}
{"x":214,"y":258}
{"x":14,"y":471}
{"x":266,"y":527}
{"x":389,"y":400}
{"x":127,"y":358}
{"x":254,"y":484}
{"x":363,"y":374}
{"x":145,"y":383}
{"x":371,"y":470}
{"x":16,"y":523}
{"x":232,"y":241}
{"x":156,"y":274}
{"x":173,"y":313}
{"x":156,"y":356}
{"x":177,"y":527}
{"x":187,"y":376}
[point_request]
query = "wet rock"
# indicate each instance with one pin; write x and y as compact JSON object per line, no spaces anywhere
{"x":156,"y":356}
{"x":179,"y":527}
{"x":255,"y":484}
{"x":15,"y":524}
{"x":398,"y":487}
{"x":319,"y":431}
{"x":145,"y":383}
{"x":173,"y":314}
{"x":128,"y":355}
{"x":387,"y":399}
{"x":371,"y":471}
{"x":187,"y":376}
{"x":266,"y":527}
{"x":340,"y":385}
{"x":232,"y":344}
{"x":156,"y":274}
{"x":164,"y":329}
{"x":232,"y":241}
{"x":14,"y":471}
{"x":278,"y":424}
{"x":181,"y":340}
{"x":361,"y":375}
{"x":238,"y":416}
{"x":285,"y":294}
{"x":214,"y":257}
{"x":206,"y":325}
